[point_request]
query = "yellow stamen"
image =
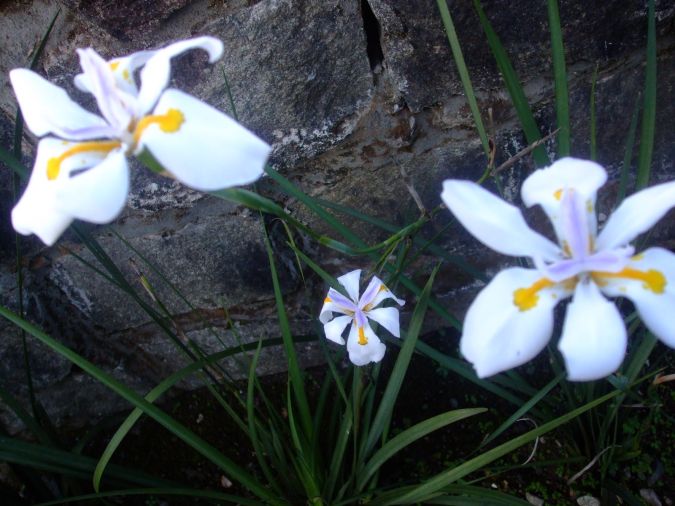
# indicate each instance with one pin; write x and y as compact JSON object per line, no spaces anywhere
{"x":327,"y":299}
{"x":527,"y":298}
{"x":558,"y":194}
{"x":54,"y":164}
{"x":651,"y":280}
{"x":169,"y":122}
{"x":363,"y":340}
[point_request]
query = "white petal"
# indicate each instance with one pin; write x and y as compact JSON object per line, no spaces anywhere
{"x":336,"y":327}
{"x":351,"y":283}
{"x":545,"y":187}
{"x":377,"y":292}
{"x":155,"y":75}
{"x":649,"y":282}
{"x":98,"y":194}
{"x":123,"y":69}
{"x":498,"y":334}
{"x":387,"y":317}
{"x":48,"y":206}
{"x":361,"y":354}
{"x":494,"y":222}
{"x":637,"y":214}
{"x":593,"y":341}
{"x":117,"y":108}
{"x":209,"y":151}
{"x":46,"y":108}
{"x":37,"y":212}
{"x":335,"y":302}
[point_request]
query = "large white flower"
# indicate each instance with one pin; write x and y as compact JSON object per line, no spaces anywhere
{"x":82,"y":172}
{"x":511,"y":320}
{"x":362,"y":344}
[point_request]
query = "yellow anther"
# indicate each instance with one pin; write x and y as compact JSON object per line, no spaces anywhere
{"x":54,"y":163}
{"x":363,"y":340}
{"x":651,"y":280}
{"x":168,"y":122}
{"x":558,"y":194}
{"x":527,"y":298}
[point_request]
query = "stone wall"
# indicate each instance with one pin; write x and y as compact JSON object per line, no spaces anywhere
{"x":350,"y":93}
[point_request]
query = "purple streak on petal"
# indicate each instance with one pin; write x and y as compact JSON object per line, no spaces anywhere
{"x":86,"y":134}
{"x":575,"y":224}
{"x":370,"y":292}
{"x":609,"y":261}
{"x":341,"y":300}
{"x":102,"y":83}
{"x":562,"y":270}
{"x":360,"y":318}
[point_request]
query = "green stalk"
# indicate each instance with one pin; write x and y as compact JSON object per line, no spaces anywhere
{"x":562,"y":108}
{"x":649,"y":107}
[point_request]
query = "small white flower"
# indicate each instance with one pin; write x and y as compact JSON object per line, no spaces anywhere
{"x":83,"y":173}
{"x":511,"y":320}
{"x":362,"y":344}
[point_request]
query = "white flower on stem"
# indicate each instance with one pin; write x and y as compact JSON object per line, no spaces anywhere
{"x":82,"y":172}
{"x":362,"y":343}
{"x":511,"y":319}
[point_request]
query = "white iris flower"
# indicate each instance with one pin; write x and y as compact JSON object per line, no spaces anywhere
{"x":362,"y":344}
{"x":511,"y":320}
{"x":82,"y":172}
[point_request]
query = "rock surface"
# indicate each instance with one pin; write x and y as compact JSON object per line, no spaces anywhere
{"x":352,"y":95}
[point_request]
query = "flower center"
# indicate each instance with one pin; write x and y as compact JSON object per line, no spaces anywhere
{"x":54,"y":163}
{"x":168,"y":122}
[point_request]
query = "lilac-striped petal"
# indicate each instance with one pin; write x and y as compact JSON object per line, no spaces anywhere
{"x":46,"y":108}
{"x":494,"y":222}
{"x":117,"y":111}
{"x":545,"y":187}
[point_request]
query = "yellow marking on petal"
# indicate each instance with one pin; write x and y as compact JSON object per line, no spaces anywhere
{"x":558,"y":194}
{"x":570,"y":284}
{"x":114,"y":65}
{"x":168,"y":122}
{"x":638,"y":257}
{"x":527,"y":298}
{"x":327,"y":299}
{"x":589,"y":206}
{"x":125,"y":75}
{"x":363,"y":340}
{"x":651,"y":280}
{"x":566,"y":248}
{"x":383,"y":288}
{"x":54,"y":163}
